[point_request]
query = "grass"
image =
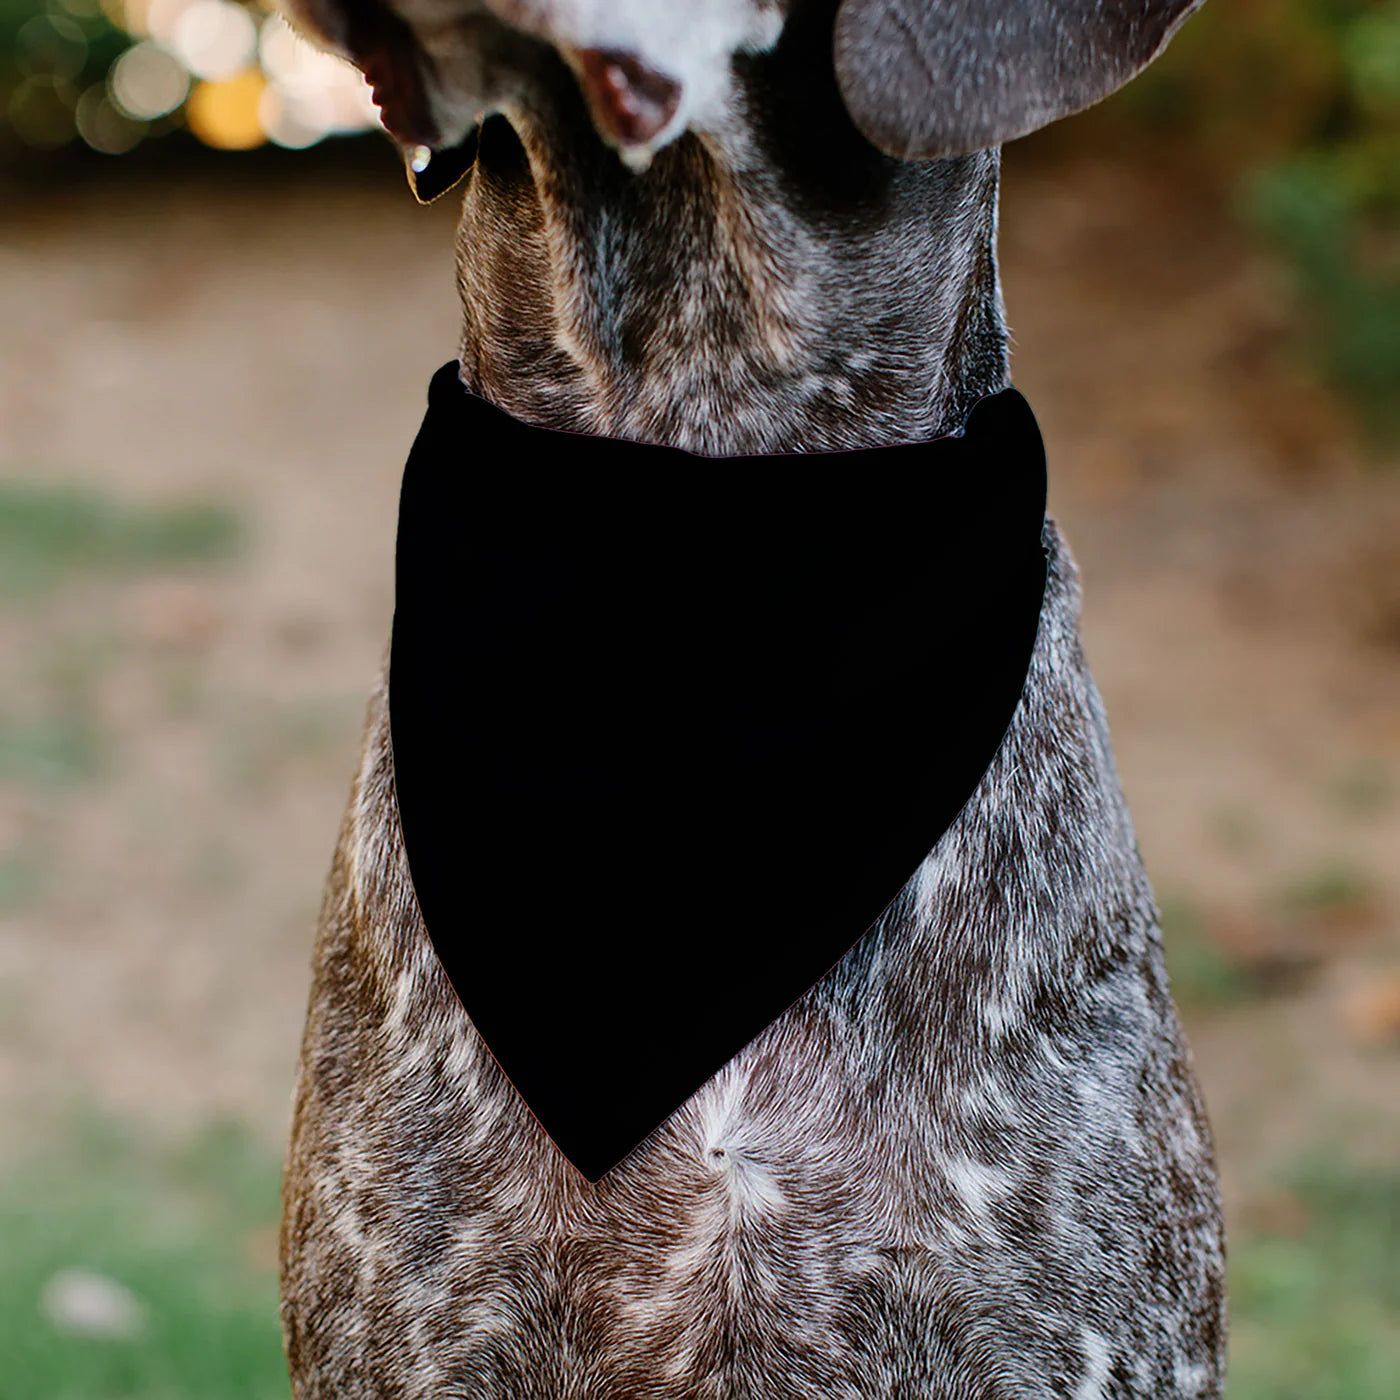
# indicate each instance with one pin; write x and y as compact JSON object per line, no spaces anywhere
{"x":21,"y":878}
{"x":1297,"y":925}
{"x":1202,"y":974}
{"x":1315,"y":1313}
{"x":187,"y":1233}
{"x":1331,"y":889}
{"x":1365,"y":788}
{"x":50,"y":533}
{"x":52,"y":752}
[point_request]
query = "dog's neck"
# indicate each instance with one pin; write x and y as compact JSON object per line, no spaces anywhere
{"x":778,"y":286}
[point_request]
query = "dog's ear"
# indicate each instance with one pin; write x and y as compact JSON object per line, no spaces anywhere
{"x":924,"y":78}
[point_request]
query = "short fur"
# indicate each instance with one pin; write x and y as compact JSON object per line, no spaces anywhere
{"x":972,"y":1162}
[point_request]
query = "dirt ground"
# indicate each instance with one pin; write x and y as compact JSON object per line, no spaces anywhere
{"x":267,"y":346}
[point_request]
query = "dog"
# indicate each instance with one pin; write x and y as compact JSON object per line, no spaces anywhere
{"x":749,"y":227}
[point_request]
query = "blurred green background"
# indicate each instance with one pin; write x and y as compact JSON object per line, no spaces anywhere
{"x":221,"y":309}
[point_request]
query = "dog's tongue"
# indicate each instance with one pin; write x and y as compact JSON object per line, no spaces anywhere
{"x":630,"y":102}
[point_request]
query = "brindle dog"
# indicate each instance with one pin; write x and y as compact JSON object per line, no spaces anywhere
{"x":972,"y":1162}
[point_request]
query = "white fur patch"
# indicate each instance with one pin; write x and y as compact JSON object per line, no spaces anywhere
{"x":1097,"y":1359}
{"x":977,"y":1186}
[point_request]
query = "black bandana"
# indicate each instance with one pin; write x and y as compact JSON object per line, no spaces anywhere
{"x":670,"y":732}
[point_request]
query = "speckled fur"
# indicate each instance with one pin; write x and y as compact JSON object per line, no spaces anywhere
{"x":771,"y":283}
{"x":971,"y":1163}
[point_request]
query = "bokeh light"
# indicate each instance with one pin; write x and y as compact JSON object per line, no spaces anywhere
{"x":225,"y":113}
{"x":41,"y":111}
{"x":52,"y":45}
{"x":147,"y":82}
{"x":103,"y":125}
{"x":214,"y":39}
{"x":113,"y":72}
{"x":310,"y":94}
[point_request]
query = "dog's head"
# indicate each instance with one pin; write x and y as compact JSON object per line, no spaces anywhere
{"x":919,"y":78}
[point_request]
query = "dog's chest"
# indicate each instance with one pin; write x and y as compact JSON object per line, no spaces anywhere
{"x":644,"y":704}
{"x":971,"y":1161}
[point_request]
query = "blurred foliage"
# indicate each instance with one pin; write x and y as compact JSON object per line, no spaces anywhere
{"x":1296,"y":103}
{"x":55,"y":751}
{"x":1202,"y":973}
{"x":48,"y":533}
{"x":186,"y":1238}
{"x":52,"y":532}
{"x":1315,"y":1290}
{"x":111,"y":74}
{"x":50,"y":56}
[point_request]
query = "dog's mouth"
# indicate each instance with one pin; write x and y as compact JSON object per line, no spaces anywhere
{"x":382,"y":45}
{"x":420,"y":87}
